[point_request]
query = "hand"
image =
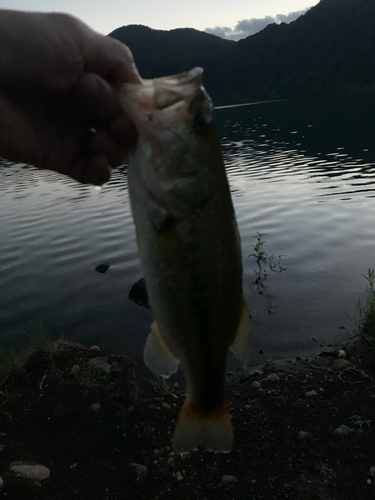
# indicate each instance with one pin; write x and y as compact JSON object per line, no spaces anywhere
{"x":58,"y":110}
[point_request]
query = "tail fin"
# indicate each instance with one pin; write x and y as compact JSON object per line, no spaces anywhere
{"x":194,"y":428}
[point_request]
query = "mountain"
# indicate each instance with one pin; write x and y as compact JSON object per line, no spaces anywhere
{"x":160,"y":53}
{"x":329,"y":48}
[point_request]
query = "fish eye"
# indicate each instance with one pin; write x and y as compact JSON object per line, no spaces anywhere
{"x":201,"y":124}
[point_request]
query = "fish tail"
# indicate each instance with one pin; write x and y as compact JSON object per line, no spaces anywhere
{"x":194,"y":427}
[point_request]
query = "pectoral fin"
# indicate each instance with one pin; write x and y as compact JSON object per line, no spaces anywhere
{"x":156,"y":355}
{"x":241,"y":344}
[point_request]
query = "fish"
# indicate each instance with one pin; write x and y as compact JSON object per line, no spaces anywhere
{"x":189,"y":248}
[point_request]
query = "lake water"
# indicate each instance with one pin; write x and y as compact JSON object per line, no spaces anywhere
{"x":301,"y":173}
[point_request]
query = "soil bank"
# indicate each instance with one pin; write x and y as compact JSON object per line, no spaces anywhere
{"x":102,"y":435}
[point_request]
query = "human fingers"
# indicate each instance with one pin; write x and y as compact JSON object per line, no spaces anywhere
{"x":27,"y":134}
{"x":95,"y":170}
{"x":123,"y":131}
{"x":109,"y":57}
{"x":116,"y":134}
{"x":115,"y":152}
{"x":104,"y":101}
{"x":98,"y":97}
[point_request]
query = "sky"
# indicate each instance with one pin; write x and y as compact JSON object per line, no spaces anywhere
{"x":227,"y":18}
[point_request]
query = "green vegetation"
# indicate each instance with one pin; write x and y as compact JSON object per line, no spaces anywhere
{"x":265,"y":263}
{"x":367,"y":312}
{"x":13,"y":357}
{"x":358,"y":422}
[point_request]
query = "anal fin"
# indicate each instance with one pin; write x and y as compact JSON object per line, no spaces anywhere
{"x":156,"y":355}
{"x":242,"y":342}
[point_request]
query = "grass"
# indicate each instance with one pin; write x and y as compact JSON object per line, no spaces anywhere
{"x":13,"y":357}
{"x":358,"y":422}
{"x":367,"y":311}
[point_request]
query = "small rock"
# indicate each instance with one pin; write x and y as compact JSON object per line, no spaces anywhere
{"x":314,"y":339}
{"x":95,"y":406}
{"x":273,"y":377}
{"x":179,"y":476}
{"x":311,"y":394}
{"x":166,"y":405}
{"x":34,"y":472}
{"x":343,"y":430}
{"x":228,"y":479}
{"x":37,"y":484}
{"x":156,"y":453}
{"x":341,"y":364}
{"x":369,"y":481}
{"x":372,"y":471}
{"x":75,"y":369}
{"x":2,"y":482}
{"x":102,"y":268}
{"x":99,"y":364}
{"x":141,"y":470}
{"x":303,"y":435}
{"x":94,"y":348}
{"x":255,"y":385}
{"x":342,"y":354}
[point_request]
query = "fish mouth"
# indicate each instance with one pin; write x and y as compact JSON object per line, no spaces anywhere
{"x":169,"y":91}
{"x":155,"y":104}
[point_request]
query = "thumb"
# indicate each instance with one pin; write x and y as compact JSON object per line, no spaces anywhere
{"x":110,"y":57}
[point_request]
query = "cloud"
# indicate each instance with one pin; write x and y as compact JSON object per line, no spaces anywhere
{"x":248,"y":27}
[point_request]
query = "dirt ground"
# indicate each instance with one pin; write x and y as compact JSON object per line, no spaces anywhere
{"x":107,"y":435}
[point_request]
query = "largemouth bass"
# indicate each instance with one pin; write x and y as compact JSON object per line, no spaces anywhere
{"x":189,"y":248}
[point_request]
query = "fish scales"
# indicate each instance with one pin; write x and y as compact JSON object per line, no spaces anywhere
{"x":189,"y":248}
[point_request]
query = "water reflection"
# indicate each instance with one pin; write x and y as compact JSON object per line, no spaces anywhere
{"x":301,"y":172}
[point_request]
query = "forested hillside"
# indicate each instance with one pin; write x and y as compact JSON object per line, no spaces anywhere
{"x":330,"y":48}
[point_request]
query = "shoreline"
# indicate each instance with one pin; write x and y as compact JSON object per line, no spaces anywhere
{"x":99,"y":434}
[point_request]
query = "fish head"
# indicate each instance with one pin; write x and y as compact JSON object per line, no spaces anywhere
{"x":164,"y":107}
{"x":175,"y":121}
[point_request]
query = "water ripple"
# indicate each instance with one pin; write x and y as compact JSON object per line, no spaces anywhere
{"x":295,"y":172}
